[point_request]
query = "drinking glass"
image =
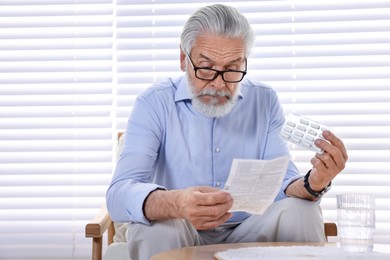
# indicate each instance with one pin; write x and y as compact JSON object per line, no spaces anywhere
{"x":356,"y":221}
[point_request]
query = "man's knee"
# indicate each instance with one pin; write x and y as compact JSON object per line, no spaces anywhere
{"x":301,"y":220}
{"x":144,"y":241}
{"x":300,"y":205}
{"x":117,"y":251}
{"x":298,"y":208}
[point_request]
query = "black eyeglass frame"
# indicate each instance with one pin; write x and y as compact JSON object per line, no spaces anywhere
{"x":218,"y":72}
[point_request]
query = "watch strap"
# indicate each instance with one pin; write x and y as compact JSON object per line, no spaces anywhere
{"x":311,"y":191}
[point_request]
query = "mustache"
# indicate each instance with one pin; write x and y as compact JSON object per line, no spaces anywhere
{"x":215,"y":93}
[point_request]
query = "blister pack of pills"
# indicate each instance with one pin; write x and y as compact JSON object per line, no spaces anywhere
{"x":303,"y":131}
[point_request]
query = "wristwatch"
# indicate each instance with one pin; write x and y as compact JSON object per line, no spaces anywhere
{"x":311,"y":191}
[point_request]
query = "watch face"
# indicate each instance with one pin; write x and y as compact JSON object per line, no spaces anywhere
{"x":327,"y":188}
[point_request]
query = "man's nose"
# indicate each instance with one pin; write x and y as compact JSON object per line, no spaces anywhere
{"x":218,"y":82}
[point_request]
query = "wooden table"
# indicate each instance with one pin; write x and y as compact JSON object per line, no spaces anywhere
{"x":207,"y":252}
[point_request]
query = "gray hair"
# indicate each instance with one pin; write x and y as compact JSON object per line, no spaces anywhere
{"x":219,"y":20}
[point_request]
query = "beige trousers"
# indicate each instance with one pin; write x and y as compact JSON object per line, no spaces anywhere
{"x":291,"y":219}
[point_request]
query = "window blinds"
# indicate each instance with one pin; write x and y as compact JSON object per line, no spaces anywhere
{"x":329,"y":60}
{"x":70,"y":71}
{"x":55,"y":124}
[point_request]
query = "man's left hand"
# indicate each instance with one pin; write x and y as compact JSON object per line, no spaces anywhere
{"x":328,"y":164}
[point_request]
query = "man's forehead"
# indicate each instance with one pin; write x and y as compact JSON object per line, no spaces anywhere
{"x":220,"y":44}
{"x":220,"y":51}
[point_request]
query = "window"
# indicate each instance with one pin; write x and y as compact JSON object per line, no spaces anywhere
{"x":69,"y":73}
{"x":55,"y":124}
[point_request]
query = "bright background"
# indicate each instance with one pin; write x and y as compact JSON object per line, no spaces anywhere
{"x":70,"y":71}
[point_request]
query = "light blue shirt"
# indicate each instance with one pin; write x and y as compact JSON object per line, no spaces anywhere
{"x":169,"y":145}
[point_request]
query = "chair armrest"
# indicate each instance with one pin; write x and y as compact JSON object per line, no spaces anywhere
{"x":96,"y":228}
{"x":99,"y":224}
{"x":330,"y":229}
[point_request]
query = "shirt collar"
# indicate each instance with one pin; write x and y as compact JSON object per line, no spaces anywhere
{"x":183,"y":91}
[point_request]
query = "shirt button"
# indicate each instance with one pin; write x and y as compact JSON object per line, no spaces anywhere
{"x":217,"y":150}
{"x":218,"y":184}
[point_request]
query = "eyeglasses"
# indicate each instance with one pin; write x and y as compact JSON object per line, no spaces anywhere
{"x":230,"y":76}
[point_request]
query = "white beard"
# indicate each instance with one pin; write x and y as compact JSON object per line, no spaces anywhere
{"x":213,"y":109}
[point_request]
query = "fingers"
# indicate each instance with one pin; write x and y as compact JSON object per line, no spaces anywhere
{"x":205,"y":223}
{"x":213,"y":205}
{"x":207,"y":207}
{"x":334,"y":153}
{"x":323,"y":161}
{"x":336,"y":142}
{"x":213,"y":197}
{"x":331,"y":162}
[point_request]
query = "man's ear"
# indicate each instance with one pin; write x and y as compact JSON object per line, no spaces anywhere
{"x":182,"y":60}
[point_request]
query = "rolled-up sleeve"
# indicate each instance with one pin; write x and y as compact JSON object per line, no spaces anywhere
{"x":135,"y":169}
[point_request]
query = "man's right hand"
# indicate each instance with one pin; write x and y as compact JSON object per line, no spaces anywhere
{"x":205,"y":207}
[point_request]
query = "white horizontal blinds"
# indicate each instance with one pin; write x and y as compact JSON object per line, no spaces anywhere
{"x":148,"y":42}
{"x":329,"y":60}
{"x":55,"y":124}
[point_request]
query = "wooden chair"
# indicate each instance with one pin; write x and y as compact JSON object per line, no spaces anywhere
{"x":102,"y":224}
{"x":96,"y":229}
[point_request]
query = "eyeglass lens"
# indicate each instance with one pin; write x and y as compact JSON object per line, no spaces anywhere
{"x":209,"y":74}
